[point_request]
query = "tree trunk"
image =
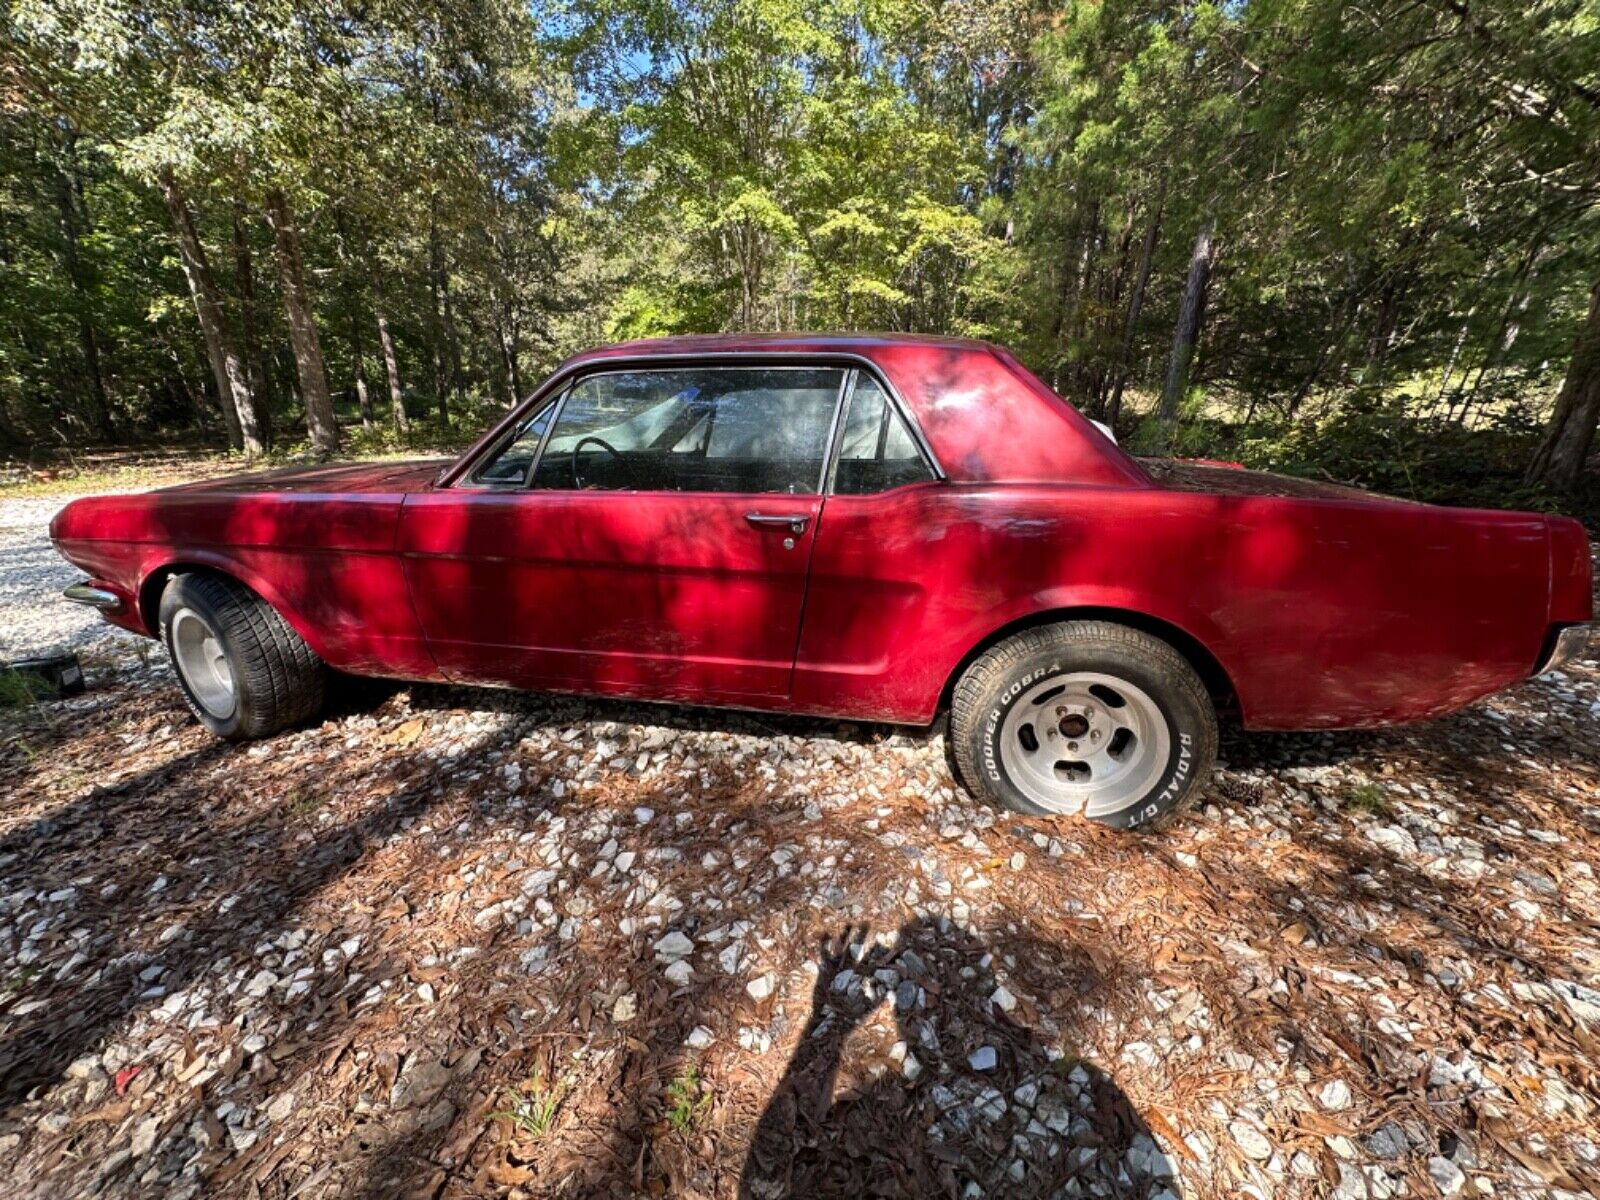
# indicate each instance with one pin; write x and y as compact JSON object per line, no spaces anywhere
{"x":1382,"y":340}
{"x":506,"y":332}
{"x":98,"y":405}
{"x":233,"y":381}
{"x":250,"y":342}
{"x":362,"y":399}
{"x":1186,"y":333}
{"x":391,"y":368}
{"x":353,"y":316}
{"x":320,"y":421}
{"x":437,"y":283}
{"x":1560,"y":459}
{"x":1130,"y":328}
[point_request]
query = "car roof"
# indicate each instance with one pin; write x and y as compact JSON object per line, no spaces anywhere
{"x":775,"y":343}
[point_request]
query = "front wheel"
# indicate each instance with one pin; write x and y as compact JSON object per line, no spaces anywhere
{"x":1084,"y":718}
{"x":245,"y":673}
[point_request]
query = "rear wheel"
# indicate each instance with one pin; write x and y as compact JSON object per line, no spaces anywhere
{"x":244,"y":672}
{"x":1084,"y":718}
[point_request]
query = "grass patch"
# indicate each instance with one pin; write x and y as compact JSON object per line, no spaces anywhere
{"x":688,"y":1097}
{"x":532,"y":1108}
{"x":16,"y":691}
{"x":1366,"y":798}
{"x":302,"y":802}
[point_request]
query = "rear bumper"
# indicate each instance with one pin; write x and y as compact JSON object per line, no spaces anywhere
{"x":1569,"y":645}
{"x":94,"y":597}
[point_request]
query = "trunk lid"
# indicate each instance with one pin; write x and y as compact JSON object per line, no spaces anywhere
{"x":1230,"y":479}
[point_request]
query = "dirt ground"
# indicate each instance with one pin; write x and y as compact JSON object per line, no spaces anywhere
{"x":466,"y":943}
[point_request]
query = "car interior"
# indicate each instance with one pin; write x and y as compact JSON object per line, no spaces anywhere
{"x":740,"y":430}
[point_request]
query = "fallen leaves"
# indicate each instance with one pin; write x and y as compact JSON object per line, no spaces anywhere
{"x":521,"y":860}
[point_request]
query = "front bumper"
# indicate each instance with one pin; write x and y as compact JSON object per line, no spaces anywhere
{"x":1571,"y":644}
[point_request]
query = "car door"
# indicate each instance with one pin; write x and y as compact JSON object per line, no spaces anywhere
{"x":647,"y":533}
{"x":881,"y":569}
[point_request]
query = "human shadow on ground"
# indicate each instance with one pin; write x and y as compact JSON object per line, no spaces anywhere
{"x":977,"y":1098}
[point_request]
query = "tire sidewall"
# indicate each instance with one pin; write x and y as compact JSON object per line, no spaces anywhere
{"x":1187,"y":727}
{"x":180,"y":594}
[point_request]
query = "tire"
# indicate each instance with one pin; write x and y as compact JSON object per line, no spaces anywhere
{"x":1024,"y":712}
{"x":244,"y":672}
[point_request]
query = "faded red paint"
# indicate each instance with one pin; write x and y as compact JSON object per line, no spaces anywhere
{"x":1320,"y":610}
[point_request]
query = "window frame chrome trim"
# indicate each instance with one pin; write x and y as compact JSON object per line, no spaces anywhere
{"x":846,"y":374}
{"x":897,"y":405}
{"x":498,"y":446}
{"x":455,"y":474}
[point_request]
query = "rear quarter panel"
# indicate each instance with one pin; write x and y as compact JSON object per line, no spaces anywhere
{"x":1322,"y":613}
{"x":325,"y":561}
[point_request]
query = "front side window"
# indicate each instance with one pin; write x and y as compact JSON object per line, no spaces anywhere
{"x":877,"y":451}
{"x":509,"y":466}
{"x":701,"y":429}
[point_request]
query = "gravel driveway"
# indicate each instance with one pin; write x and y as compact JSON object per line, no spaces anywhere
{"x":453,"y":942}
{"x":34,"y":618}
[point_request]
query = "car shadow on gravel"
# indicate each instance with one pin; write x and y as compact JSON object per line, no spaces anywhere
{"x":561,"y":707}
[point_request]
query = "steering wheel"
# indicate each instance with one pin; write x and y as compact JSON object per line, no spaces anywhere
{"x":577,"y":477}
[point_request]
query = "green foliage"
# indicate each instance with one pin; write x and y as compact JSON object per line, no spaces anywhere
{"x":15,"y":690}
{"x":1384,"y":447}
{"x":688,"y":1098}
{"x":531,"y":1109}
{"x":1406,"y":210}
{"x":1366,"y":798}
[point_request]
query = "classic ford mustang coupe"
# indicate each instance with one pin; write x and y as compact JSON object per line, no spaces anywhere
{"x":877,"y":528}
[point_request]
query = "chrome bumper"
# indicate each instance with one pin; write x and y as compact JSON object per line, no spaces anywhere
{"x":1572,"y":643}
{"x":86,"y":593}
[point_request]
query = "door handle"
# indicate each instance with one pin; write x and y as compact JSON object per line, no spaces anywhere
{"x":793,"y":522}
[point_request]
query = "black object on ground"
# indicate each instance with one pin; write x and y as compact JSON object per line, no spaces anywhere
{"x":47,"y":676}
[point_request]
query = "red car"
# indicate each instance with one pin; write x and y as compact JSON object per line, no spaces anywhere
{"x":876,"y":528}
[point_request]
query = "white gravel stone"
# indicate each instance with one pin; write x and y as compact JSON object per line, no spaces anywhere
{"x":1334,"y":1095}
{"x":144,"y":1136}
{"x":982,"y":1059}
{"x":1446,"y":1176}
{"x":761,"y":986}
{"x":1251,"y":1140}
{"x":281,"y":1107}
{"x":674,"y":946}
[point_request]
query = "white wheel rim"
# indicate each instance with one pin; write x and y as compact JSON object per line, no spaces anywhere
{"x":203,"y":663}
{"x":1084,"y":742}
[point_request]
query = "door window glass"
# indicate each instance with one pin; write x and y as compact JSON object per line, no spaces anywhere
{"x":712,"y":429}
{"x":511,"y":464}
{"x":877,"y":451}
